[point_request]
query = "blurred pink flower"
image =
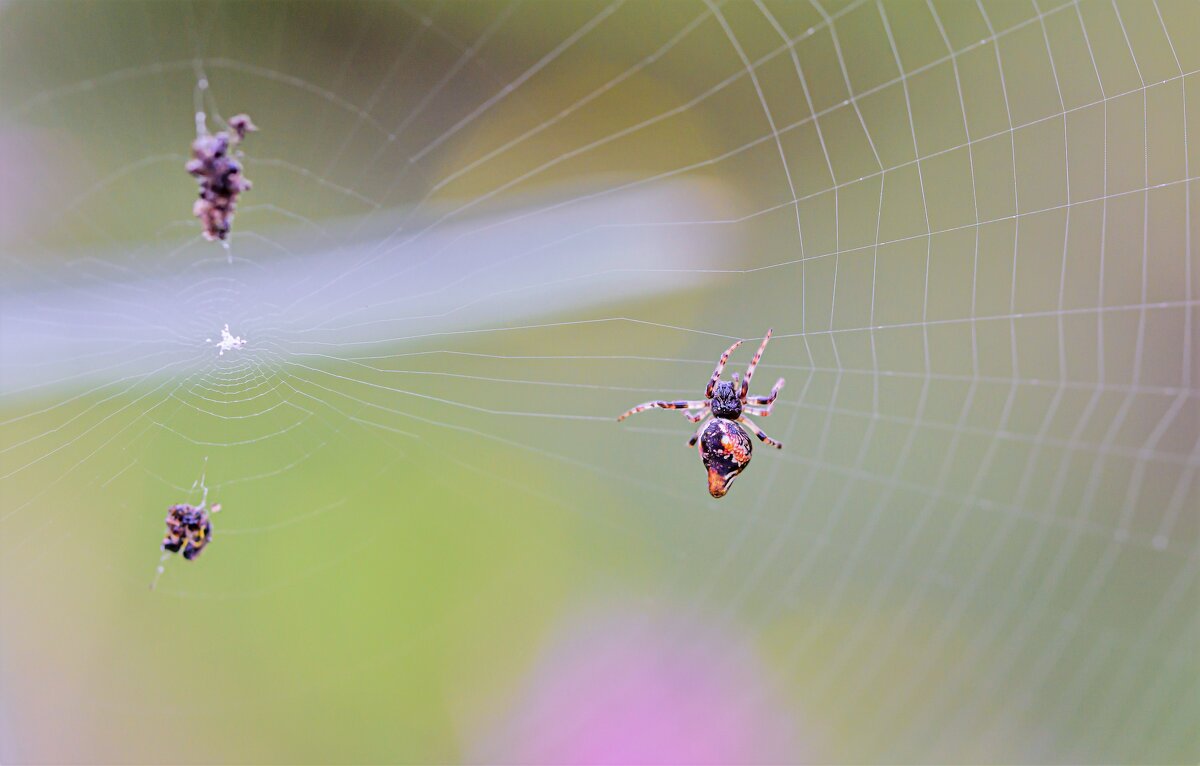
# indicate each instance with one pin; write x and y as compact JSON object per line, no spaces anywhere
{"x":620,"y":687}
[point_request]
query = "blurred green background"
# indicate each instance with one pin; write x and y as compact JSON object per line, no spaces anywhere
{"x":478,"y":232}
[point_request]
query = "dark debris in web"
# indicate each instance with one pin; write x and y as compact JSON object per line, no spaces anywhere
{"x":216,"y":164}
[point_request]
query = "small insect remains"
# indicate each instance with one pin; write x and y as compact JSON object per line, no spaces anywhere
{"x":722,"y":441}
{"x":215,"y":163}
{"x":189,"y":529}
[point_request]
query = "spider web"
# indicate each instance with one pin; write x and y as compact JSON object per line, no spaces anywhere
{"x":477,"y":233}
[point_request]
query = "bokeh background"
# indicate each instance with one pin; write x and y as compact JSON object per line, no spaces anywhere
{"x":478,"y":232}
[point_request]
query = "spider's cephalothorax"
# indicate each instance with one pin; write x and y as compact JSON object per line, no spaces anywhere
{"x":725,"y":402}
{"x":189,"y":529}
{"x":722,"y":441}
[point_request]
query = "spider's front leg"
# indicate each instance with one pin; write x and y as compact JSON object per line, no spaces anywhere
{"x":759,"y":432}
{"x":678,"y":405}
{"x":767,"y":402}
{"x":754,"y":364}
{"x":712,"y":382}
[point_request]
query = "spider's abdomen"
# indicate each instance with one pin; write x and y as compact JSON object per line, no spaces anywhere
{"x":725,"y":449}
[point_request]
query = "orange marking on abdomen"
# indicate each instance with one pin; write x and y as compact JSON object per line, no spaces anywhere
{"x":735,"y":448}
{"x":717,"y":487}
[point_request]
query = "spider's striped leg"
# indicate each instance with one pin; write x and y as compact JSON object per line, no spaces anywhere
{"x":750,"y":409}
{"x":720,"y":368}
{"x":754,"y":363}
{"x":766,"y":401}
{"x":696,"y":417}
{"x":748,"y":423}
{"x":679,"y":405}
{"x":696,"y":436}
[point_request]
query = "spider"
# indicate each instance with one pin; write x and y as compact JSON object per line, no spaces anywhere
{"x":723,"y":444}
